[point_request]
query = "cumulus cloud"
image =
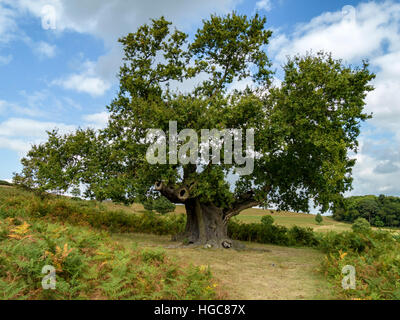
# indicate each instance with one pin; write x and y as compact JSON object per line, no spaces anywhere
{"x":84,"y":83}
{"x":87,"y":81}
{"x":351,"y":34}
{"x":375,"y":175}
{"x":384,"y":101}
{"x":19,"y":129}
{"x":386,"y":167}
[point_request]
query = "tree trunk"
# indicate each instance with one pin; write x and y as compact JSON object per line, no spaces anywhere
{"x":205,"y":225}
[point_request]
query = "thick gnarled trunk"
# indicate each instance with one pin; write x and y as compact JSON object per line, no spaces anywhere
{"x":205,"y":225}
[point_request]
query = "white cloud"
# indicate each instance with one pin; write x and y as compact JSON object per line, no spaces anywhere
{"x":242,"y":84}
{"x":377,"y":169}
{"x":97,"y":120}
{"x":84,"y":83}
{"x":264,"y":5}
{"x":45,"y":50}
{"x":351,"y":37}
{"x":18,"y":145}
{"x":7,"y":29}
{"x":12,"y":108}
{"x":111,"y":19}
{"x":19,"y":131}
{"x":87,"y":81}
{"x":384,"y":101}
{"x":20,"y":127}
{"x":19,"y":134}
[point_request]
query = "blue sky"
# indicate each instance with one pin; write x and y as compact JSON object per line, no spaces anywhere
{"x":64,"y":77}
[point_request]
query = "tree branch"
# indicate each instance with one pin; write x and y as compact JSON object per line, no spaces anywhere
{"x":172,"y":193}
{"x":243,"y":202}
{"x":238,"y":207}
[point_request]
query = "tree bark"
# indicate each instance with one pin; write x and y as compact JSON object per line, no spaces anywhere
{"x":205,"y":225}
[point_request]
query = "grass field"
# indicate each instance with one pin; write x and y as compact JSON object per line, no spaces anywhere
{"x":289,"y":219}
{"x":259,"y":272}
{"x":100,"y":249}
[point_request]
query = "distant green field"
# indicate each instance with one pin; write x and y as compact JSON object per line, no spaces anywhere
{"x":289,"y":219}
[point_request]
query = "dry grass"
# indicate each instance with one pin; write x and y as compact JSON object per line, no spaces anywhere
{"x":260,"y":272}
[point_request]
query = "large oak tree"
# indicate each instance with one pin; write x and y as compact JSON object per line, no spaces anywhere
{"x":305,"y":127}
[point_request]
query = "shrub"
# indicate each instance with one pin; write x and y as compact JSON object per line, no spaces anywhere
{"x":361,"y":225}
{"x":76,"y":193}
{"x":318,"y":218}
{"x":148,"y":204}
{"x":267,"y":220}
{"x":375,"y":257}
{"x":163,"y":205}
{"x":302,"y":237}
{"x":266,"y":232}
{"x":345,"y":241}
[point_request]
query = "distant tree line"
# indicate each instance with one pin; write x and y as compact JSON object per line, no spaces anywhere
{"x":5,"y":183}
{"x":382,"y":211}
